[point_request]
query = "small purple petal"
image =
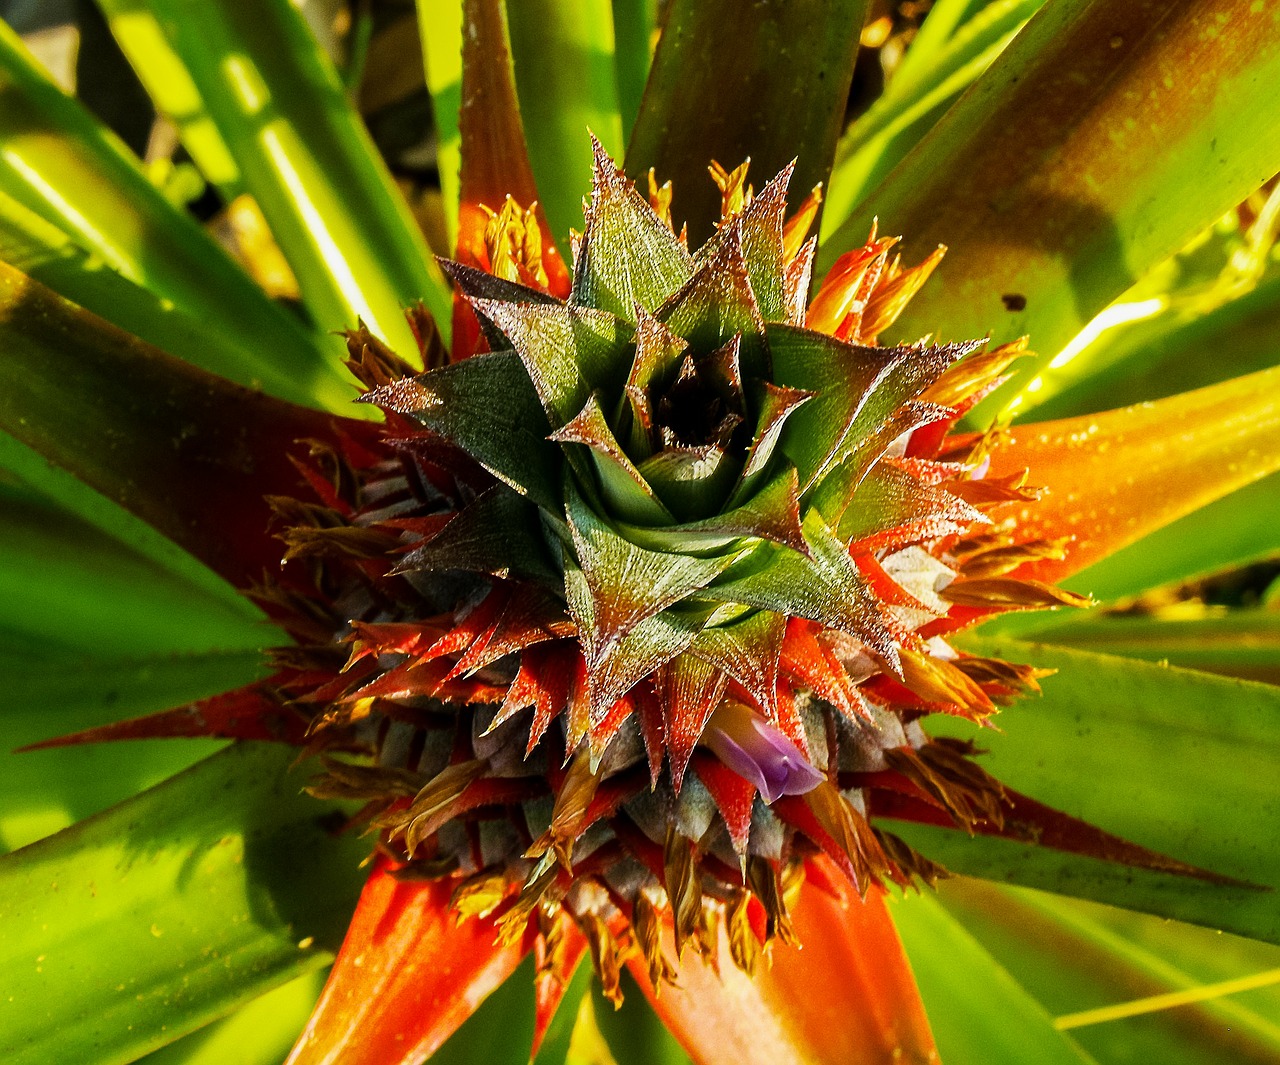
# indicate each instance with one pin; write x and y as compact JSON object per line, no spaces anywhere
{"x":758,"y":752}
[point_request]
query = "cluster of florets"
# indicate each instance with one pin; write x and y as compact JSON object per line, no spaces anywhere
{"x":644,"y":604}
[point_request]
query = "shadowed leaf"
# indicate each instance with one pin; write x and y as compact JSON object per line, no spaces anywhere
{"x":187,"y":452}
{"x":777,"y":94}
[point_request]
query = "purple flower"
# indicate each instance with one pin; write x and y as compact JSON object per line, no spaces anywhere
{"x":758,"y":752}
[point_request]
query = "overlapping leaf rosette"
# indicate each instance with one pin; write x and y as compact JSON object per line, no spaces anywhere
{"x":672,"y":566}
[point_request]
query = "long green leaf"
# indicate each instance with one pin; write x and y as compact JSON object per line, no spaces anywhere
{"x":50,"y":691}
{"x":563,"y":51}
{"x":1077,"y":957}
{"x":1042,"y":177}
{"x":910,"y":106}
{"x":308,"y":160}
{"x":141,"y":38}
{"x":51,"y":484}
{"x":440,"y":27}
{"x":1177,"y":761}
{"x":60,"y":163}
{"x":633,"y":25}
{"x":633,"y":1032}
{"x":944,"y":20}
{"x":1242,"y":643}
{"x":45,"y":252}
{"x":1157,"y":349}
{"x":978,"y":1012}
{"x":500,"y":1031}
{"x":1238,"y":528}
{"x":64,"y":582}
{"x":770,"y":81}
{"x":139,"y":925}
{"x":258,"y":1033}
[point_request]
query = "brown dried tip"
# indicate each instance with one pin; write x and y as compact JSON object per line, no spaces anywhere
{"x":852,"y":832}
{"x":432,"y":806}
{"x":646,"y":923}
{"x":683,"y":884}
{"x":606,"y":956}
{"x":1012,"y":675}
{"x":1010,"y":594}
{"x":344,"y":780}
{"x":744,"y":947}
{"x":997,"y":561}
{"x":572,"y":801}
{"x":372,"y":362}
{"x":936,"y":680}
{"x":910,"y":861}
{"x":942,"y":769}
{"x":762,"y":878}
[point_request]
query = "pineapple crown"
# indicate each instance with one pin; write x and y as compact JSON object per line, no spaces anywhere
{"x":684,"y":457}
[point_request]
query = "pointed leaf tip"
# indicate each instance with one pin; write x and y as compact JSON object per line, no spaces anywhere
{"x":1114,"y":477}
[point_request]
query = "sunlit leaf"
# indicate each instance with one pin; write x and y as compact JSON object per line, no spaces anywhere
{"x":1156,"y":348}
{"x":440,"y":28}
{"x":258,"y":1033}
{"x":1242,"y":643}
{"x":564,"y":66}
{"x":633,"y":26}
{"x":918,"y":94}
{"x":309,"y":162}
{"x":978,"y":1011}
{"x":135,"y":927}
{"x":46,"y":253}
{"x":52,"y":691}
{"x":1238,"y":528}
{"x":1116,"y":476}
{"x":1041,"y":179}
{"x":141,"y":37}
{"x":59,"y":162}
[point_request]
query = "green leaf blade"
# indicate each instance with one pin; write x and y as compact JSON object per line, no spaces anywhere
{"x":218,"y":886}
{"x":62,"y":165}
{"x":1146,"y":733}
{"x":978,"y":1012}
{"x":1041,"y":179}
{"x":310,"y":163}
{"x":776,"y":93}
